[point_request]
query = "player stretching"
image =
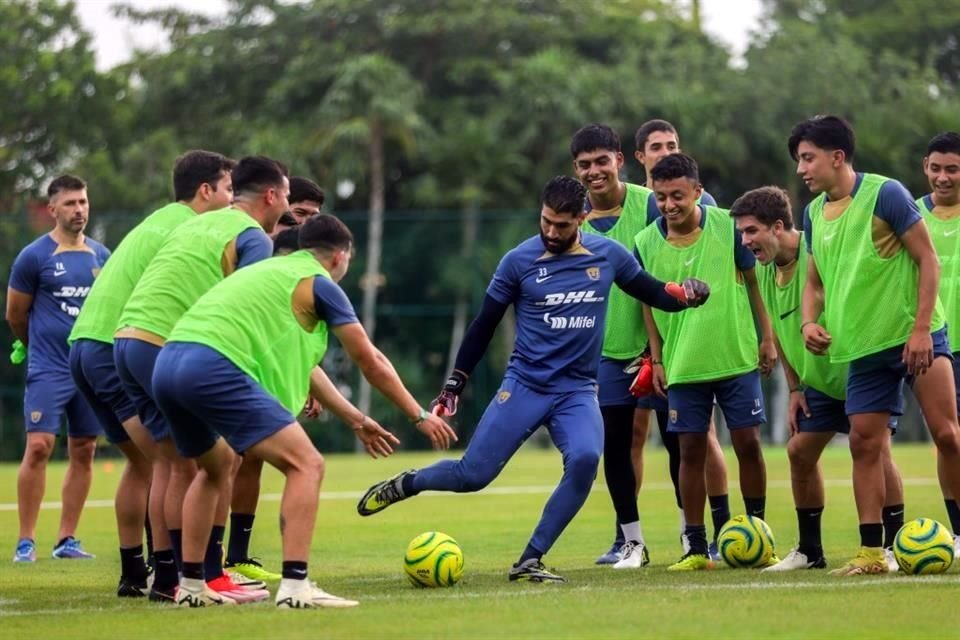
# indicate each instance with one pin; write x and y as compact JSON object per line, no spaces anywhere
{"x":868,"y":253}
{"x":941,"y":212}
{"x":201,"y":183}
{"x":48,"y":284}
{"x":238,"y":365}
{"x":559,"y":283}
{"x":696,"y":240}
{"x":817,"y":388}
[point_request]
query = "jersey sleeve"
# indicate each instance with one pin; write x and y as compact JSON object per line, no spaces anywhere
{"x":896,"y":207}
{"x":331,"y":303}
{"x":807,"y":229}
{"x":653,"y":211}
{"x":504,"y":287}
{"x":25,"y":274}
{"x":625,"y":266}
{"x":103,"y":254}
{"x":707,"y":199}
{"x":253,"y":245}
{"x":742,"y":256}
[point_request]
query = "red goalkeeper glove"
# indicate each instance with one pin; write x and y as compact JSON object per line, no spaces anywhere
{"x":445,"y":404}
{"x":691,"y":293}
{"x":642,"y":384}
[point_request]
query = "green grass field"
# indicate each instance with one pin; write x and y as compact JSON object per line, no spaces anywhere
{"x":361,"y":558}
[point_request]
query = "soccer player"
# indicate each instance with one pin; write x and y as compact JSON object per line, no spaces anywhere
{"x":709,"y":355}
{"x":817,"y":388}
{"x":49,"y":281}
{"x":194,"y":257}
{"x":559,"y":282}
{"x":306,"y":198}
{"x":201,"y":183}
{"x":941,"y":212}
{"x":238,"y":364}
{"x":868,"y":253}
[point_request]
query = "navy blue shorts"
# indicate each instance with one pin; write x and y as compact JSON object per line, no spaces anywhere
{"x":51,"y":396}
{"x":95,"y":374}
{"x":653,"y":402}
{"x":826,"y":414}
{"x":205,"y":396}
{"x":613,"y":383}
{"x":875,"y":382}
{"x":135,"y":360}
{"x":956,"y":377}
{"x":740,"y":399}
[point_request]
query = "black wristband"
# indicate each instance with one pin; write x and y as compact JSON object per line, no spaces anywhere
{"x":456,"y":382}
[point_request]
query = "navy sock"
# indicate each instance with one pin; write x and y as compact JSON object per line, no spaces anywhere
{"x":756,"y":507}
{"x":166,"y":570}
{"x":953,"y":512}
{"x":241,"y":528}
{"x":808,"y":521}
{"x":176,"y":544}
{"x":406,"y":485}
{"x":697,"y":537}
{"x":213,"y":559}
{"x":132,"y":564}
{"x":294,"y":570}
{"x":719,"y":512}
{"x":528,"y":553}
{"x":193,"y":570}
{"x":892,"y":522}
{"x":871,"y":535}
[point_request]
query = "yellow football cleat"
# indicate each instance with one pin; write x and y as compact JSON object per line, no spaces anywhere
{"x":869,"y":560}
{"x":692,"y":562}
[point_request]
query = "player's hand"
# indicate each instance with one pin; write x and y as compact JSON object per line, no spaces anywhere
{"x":445,"y":404}
{"x":798,"y":403}
{"x":768,"y":357}
{"x":918,"y":353}
{"x":816,"y":338}
{"x":312,"y":408}
{"x":660,"y":380}
{"x":376,"y":440}
{"x":692,"y":293}
{"x":440,"y":433}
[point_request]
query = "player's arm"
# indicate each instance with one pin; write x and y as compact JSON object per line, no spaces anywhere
{"x":918,"y":351}
{"x":656,"y":353}
{"x":797,"y":400}
{"x":18,"y":313}
{"x":253,"y":245}
{"x":376,"y":440}
{"x":768,"y":347}
{"x":815,"y":337}
{"x":666,"y":296}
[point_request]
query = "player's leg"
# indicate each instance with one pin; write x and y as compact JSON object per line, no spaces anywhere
{"x":618,"y":470}
{"x":741,"y":401}
{"x":576,"y":428}
{"x":514,"y":413}
{"x":690,"y":409}
{"x":671,"y":442}
{"x":243,"y":508}
{"x":949,"y":500}
{"x":893,"y":504}
{"x":31,"y":486}
{"x":718,"y":493}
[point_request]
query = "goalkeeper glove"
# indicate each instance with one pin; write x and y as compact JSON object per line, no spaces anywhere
{"x":445,"y":404}
{"x":691,"y":293}
{"x":19,"y":353}
{"x":642,"y":384}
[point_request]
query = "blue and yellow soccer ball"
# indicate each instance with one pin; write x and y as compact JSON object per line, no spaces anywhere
{"x":433,"y":559}
{"x":923,"y":546}
{"x":745,"y":542}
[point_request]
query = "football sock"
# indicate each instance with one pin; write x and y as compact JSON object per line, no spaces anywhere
{"x":241,"y":527}
{"x":697,"y":535}
{"x":176,"y":544}
{"x":719,"y":512}
{"x":871,"y":535}
{"x":406,"y":485}
{"x":632,"y":532}
{"x":193,"y":570}
{"x":166,"y":570}
{"x":892,"y":522}
{"x":132,"y":564}
{"x":755,"y":507}
{"x":528,"y":553}
{"x":953,"y":512}
{"x":213,"y":559}
{"x":294,"y":570}
{"x":810,"y":543}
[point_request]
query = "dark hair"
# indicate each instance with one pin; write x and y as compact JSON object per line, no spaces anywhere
{"x":675,"y":165}
{"x":287,"y":241}
{"x":831,"y":133}
{"x":65,"y":182}
{"x":287,"y":219}
{"x":305,"y":189}
{"x":593,"y":137}
{"x":651,"y":126}
{"x":256,"y":174}
{"x":766,"y":204}
{"x":195,"y":168}
{"x":564,"y":195}
{"x":324,"y":232}
{"x":946,"y":142}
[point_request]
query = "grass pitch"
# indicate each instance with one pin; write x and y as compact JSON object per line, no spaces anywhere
{"x":361,"y":558}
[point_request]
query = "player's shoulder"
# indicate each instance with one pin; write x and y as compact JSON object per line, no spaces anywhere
{"x":38,"y":250}
{"x":525,"y":253}
{"x":893,"y":188}
{"x":97,"y":247}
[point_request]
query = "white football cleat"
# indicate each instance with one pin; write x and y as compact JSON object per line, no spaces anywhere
{"x":203,"y":597}
{"x":633,"y":555}
{"x":796,"y":560}
{"x":305,"y":594}
{"x":892,"y":563}
{"x":956,"y":547}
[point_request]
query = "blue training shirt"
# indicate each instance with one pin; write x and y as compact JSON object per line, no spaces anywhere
{"x":59,"y":280}
{"x":561,"y":304}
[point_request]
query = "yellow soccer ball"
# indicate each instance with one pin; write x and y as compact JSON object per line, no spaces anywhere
{"x":745,"y":542}
{"x":433,"y":559}
{"x":923,"y":546}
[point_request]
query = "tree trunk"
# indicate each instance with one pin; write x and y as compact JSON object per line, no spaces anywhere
{"x":372,"y":278}
{"x":468,"y":240}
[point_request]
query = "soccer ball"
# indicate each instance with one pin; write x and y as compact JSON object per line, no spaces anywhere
{"x":923,"y":546}
{"x":745,"y":542}
{"x":433,"y":559}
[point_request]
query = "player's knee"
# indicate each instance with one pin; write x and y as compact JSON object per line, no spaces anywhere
{"x":801,"y":459}
{"x":582,"y":466}
{"x":82,"y":452}
{"x":473,"y":477}
{"x":947,"y":440}
{"x":37,"y":451}
{"x":865,"y":445}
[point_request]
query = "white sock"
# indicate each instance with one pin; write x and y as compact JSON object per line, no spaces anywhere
{"x":192,"y":584}
{"x":632,"y":532}
{"x":683,"y":522}
{"x":289,"y":584}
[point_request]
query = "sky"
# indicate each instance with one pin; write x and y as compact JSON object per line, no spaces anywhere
{"x":115,"y":39}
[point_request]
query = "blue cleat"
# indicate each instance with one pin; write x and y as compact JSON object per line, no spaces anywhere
{"x":714,"y":552}
{"x":70,"y":549}
{"x":26,"y":551}
{"x":613,"y":555}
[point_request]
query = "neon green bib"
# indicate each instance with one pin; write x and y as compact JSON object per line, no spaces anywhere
{"x":783,"y":305}
{"x":187,"y":265}
{"x":719,"y":339}
{"x":249,"y":319}
{"x":946,"y":240}
{"x":100,"y":316}
{"x":870,"y":302}
{"x":624,"y":335}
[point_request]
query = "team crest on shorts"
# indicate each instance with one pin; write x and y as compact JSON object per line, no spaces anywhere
{"x":95,"y":271}
{"x":673,"y":415}
{"x":593,"y":273}
{"x":35,"y":416}
{"x":503,"y":396}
